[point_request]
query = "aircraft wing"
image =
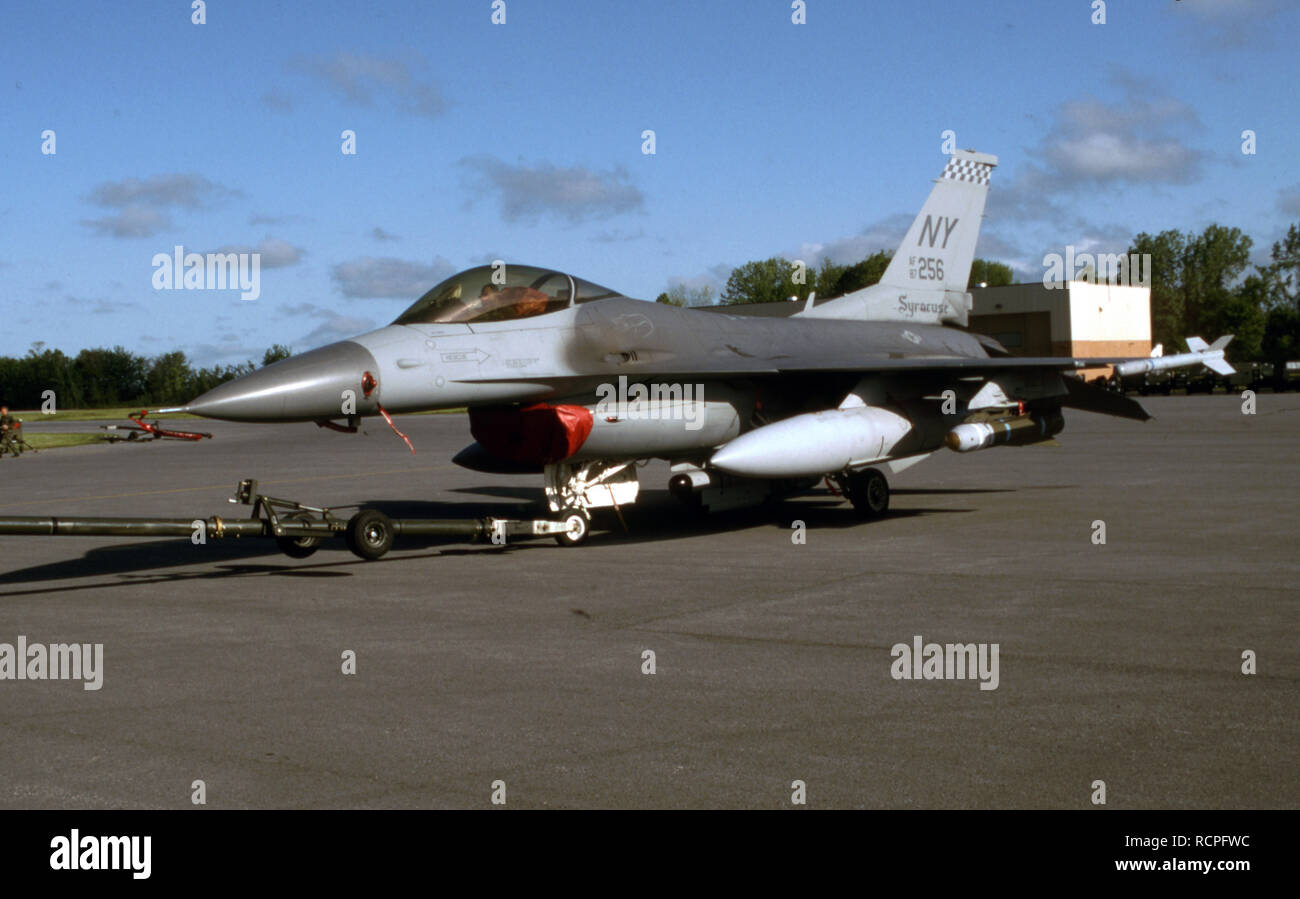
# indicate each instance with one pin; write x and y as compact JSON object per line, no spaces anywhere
{"x":971,"y":364}
{"x":730,"y":360}
{"x":766,"y":353}
{"x":694,"y":367}
{"x":1074,"y":392}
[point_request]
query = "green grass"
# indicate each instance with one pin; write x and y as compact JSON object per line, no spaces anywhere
{"x":119,"y":412}
{"x":53,"y":441}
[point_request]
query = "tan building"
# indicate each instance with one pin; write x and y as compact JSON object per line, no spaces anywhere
{"x":1076,"y":319}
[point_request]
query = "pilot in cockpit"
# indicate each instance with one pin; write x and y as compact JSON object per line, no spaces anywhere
{"x":495,"y":303}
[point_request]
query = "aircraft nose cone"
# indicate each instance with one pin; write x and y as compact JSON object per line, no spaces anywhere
{"x":306,"y":387}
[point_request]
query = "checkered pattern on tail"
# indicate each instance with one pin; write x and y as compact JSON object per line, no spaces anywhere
{"x":967,"y":170}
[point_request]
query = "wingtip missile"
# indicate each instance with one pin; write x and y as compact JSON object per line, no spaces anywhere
{"x":1209,"y":355}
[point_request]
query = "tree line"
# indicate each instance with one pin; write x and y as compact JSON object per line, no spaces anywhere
{"x":99,"y":378}
{"x":775,"y":279}
{"x":1201,"y":285}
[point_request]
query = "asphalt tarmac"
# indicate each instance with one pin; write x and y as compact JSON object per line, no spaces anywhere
{"x":1118,"y":662}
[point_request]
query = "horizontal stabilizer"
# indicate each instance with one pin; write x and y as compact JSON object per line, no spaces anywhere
{"x":1091,"y":398}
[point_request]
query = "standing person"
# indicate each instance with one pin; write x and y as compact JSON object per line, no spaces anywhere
{"x":8,"y":431}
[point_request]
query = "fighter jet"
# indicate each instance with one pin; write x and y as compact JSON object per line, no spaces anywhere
{"x":578,"y":382}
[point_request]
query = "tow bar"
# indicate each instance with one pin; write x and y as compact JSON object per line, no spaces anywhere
{"x":298,"y":529}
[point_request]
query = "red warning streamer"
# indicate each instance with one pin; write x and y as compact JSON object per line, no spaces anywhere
{"x":388,"y":418}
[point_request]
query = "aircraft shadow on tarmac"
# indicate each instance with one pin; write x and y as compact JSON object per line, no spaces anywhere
{"x":657,"y":516}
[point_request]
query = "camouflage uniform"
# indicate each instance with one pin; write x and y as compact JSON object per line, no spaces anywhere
{"x":8,"y":434}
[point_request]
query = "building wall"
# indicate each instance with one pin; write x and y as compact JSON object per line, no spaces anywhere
{"x":1077,"y":319}
{"x":1101,"y":313}
{"x":1023,"y":298}
{"x":1022,"y":333}
{"x":1102,"y":348}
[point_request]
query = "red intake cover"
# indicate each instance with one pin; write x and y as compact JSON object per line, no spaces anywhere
{"x":534,"y":435}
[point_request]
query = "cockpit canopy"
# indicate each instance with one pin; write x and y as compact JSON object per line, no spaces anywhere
{"x":498,"y":293}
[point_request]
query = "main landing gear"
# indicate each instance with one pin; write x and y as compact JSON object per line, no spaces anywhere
{"x":867,"y":490}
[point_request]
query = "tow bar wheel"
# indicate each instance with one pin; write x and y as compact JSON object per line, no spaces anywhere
{"x":369,"y":534}
{"x":297,"y":547}
{"x":576,"y":528}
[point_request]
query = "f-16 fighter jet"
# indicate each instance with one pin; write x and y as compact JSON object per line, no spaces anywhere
{"x":577,"y":382}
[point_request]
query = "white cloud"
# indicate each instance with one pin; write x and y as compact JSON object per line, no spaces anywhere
{"x":1140,"y":139}
{"x":573,"y":193}
{"x":332,"y":326}
{"x":885,"y":234}
{"x":1288,"y":200}
{"x":275,"y":253}
{"x":277,"y":100}
{"x":143,"y":203}
{"x":383,"y":277}
{"x":134,"y":221}
{"x":175,"y":189}
{"x":359,"y":79}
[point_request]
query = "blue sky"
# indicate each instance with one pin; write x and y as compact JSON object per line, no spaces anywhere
{"x":523,"y":141}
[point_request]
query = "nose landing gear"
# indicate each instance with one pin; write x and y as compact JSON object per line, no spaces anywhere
{"x":574,"y":489}
{"x":577,"y":526}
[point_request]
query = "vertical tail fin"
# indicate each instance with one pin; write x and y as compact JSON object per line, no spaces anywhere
{"x":926,"y":278}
